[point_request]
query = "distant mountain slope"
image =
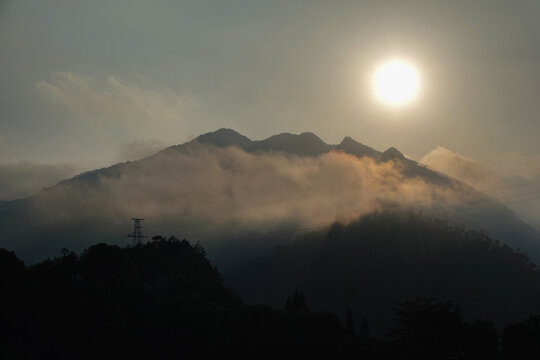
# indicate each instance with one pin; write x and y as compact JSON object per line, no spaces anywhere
{"x":214,"y":185}
{"x":309,"y":144}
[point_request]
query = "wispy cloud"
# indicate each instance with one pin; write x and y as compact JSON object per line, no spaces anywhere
{"x":112,"y":101}
{"x":23,"y":178}
{"x":202,"y":187}
{"x":462,"y":168}
{"x":512,"y":176}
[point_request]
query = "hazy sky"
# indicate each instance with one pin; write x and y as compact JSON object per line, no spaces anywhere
{"x":82,"y":81}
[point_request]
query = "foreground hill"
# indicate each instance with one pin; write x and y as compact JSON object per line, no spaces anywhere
{"x":382,"y":259}
{"x":164,"y":300}
{"x":233,"y":193}
{"x":159,"y":300}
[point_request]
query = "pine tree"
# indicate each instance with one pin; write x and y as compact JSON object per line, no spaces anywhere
{"x":364,"y":329}
{"x":349,"y":325}
{"x":288,"y":304}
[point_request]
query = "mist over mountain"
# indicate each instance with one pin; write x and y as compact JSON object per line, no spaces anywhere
{"x":234,"y":195}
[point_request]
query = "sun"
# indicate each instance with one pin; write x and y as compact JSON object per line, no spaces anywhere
{"x":396,"y":82}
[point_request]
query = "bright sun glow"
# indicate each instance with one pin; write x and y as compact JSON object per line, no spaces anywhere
{"x":396,"y":82}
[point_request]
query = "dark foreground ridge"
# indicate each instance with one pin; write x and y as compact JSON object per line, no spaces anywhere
{"x":164,"y":299}
{"x":384,"y":258}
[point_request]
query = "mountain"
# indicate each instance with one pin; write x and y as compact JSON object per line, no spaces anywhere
{"x":305,"y":144}
{"x":163,"y":299}
{"x":223,"y":138}
{"x":383,"y":259}
{"x":353,"y":147}
{"x":233,"y":193}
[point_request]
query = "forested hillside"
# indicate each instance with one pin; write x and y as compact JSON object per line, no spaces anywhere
{"x":385,"y":258}
{"x":164,"y":299}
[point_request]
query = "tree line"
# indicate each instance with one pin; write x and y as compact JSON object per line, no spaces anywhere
{"x":164,"y":299}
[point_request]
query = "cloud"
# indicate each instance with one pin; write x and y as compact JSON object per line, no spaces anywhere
{"x":23,"y":178}
{"x":462,"y":168}
{"x":114,"y":102}
{"x":219,"y":195}
{"x":513,"y":177}
{"x":202,"y":187}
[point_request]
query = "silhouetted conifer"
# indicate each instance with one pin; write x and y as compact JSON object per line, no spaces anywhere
{"x":297,"y":302}
{"x":288,"y":304}
{"x":521,"y":340}
{"x":364,"y":329}
{"x":349,"y":324}
{"x":427,"y":329}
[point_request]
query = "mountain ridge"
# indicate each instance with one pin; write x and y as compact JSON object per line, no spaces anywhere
{"x":28,"y":215}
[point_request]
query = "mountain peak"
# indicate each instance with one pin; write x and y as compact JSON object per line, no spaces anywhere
{"x":348,"y":140}
{"x":311,"y":136}
{"x":392,"y":154}
{"x":223,"y":138}
{"x":305,"y":144}
{"x":353,"y":147}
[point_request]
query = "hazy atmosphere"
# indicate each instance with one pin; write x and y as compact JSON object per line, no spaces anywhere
{"x":87,"y":84}
{"x":270,"y":179}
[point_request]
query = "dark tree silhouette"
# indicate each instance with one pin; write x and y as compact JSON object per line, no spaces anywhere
{"x":363,"y":331}
{"x":521,"y":340}
{"x":349,"y":324}
{"x":427,"y":329}
{"x":162,"y":299}
{"x":480,"y":340}
{"x":297,"y":302}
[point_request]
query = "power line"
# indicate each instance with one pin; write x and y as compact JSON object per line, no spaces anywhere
{"x":517,"y":155}
{"x":499,"y":204}
{"x":477,"y":192}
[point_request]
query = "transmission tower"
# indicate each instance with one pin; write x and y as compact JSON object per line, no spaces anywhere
{"x":137,"y":235}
